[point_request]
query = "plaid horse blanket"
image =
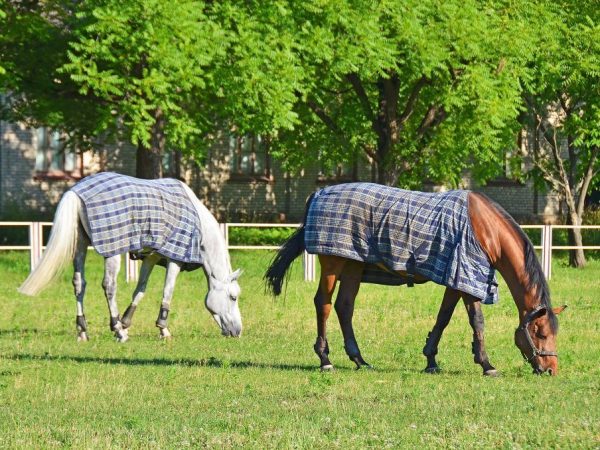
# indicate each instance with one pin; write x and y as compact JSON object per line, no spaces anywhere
{"x":428,"y":234}
{"x":127,"y":214}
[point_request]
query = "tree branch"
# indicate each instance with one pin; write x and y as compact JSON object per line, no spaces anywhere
{"x":562,"y":172}
{"x":363,"y":98}
{"x":539,"y":159}
{"x":587,"y":179}
{"x":433,"y":117}
{"x":328,"y":121}
{"x":412,"y":99}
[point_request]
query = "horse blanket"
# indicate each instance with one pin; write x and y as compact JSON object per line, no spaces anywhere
{"x":127,"y":214}
{"x":429,"y":234}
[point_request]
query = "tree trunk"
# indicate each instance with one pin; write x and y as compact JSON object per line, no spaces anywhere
{"x":576,"y":257}
{"x":386,"y":126}
{"x":149,"y":159}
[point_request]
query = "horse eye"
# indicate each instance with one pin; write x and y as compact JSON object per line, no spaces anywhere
{"x":233,"y":298}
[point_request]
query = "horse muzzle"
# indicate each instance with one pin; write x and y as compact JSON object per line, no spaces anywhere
{"x":228,"y":328}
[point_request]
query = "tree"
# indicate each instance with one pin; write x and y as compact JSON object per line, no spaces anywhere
{"x":33,"y":45}
{"x":2,"y":17}
{"x":147,"y":60}
{"x":563,"y":100}
{"x":423,"y":88}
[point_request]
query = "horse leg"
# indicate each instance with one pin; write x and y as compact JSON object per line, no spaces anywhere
{"x":173,"y":269}
{"x":331,"y":267}
{"x":112,"y":265}
{"x":344,"y":307}
{"x":451,"y":297}
{"x":473,"y":306}
{"x":79,"y":283}
{"x":148,"y":264}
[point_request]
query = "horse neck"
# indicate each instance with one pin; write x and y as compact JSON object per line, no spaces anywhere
{"x":512,"y":268}
{"x":506,"y":248}
{"x":215,"y":254}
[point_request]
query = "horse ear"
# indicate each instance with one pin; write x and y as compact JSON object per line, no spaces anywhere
{"x":235,"y":275}
{"x":559,"y":309}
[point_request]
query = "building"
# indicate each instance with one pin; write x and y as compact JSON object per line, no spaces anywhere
{"x":238,"y":181}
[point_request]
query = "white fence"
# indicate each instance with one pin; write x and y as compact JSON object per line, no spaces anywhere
{"x":36,"y":245}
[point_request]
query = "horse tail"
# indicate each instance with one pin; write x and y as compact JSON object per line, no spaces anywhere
{"x":60,"y":248}
{"x":289,"y":251}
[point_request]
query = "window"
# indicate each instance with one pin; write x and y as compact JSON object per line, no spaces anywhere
{"x":512,"y":169}
{"x":249,"y":158}
{"x":53,"y":159}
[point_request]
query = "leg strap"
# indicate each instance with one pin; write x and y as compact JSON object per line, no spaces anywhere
{"x":81,"y":323}
{"x":113,"y":323}
{"x":321,"y":347}
{"x":163,"y":314}
{"x":128,"y":316}
{"x":431,"y":343}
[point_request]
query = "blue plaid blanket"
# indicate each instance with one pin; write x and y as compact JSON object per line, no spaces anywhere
{"x":428,"y":234}
{"x":127,"y":214}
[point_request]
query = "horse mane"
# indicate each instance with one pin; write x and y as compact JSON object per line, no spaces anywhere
{"x":536,"y":278}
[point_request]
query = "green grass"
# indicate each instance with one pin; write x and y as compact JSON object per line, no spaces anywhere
{"x":264,"y":390}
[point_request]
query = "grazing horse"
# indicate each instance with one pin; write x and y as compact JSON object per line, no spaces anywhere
{"x":364,"y":232}
{"x":159,"y":221}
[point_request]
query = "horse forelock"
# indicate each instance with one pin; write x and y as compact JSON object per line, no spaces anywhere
{"x":536,"y":280}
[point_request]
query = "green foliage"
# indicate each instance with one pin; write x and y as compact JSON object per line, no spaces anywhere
{"x":33,"y":45}
{"x":2,"y":17}
{"x":259,"y":236}
{"x":424,"y":88}
{"x":564,"y":81}
{"x":146,"y":55}
{"x":466,"y":57}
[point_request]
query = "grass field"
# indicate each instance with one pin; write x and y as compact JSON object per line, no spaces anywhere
{"x":264,"y":390}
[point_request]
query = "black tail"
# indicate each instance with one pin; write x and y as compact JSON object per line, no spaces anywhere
{"x":289,"y":251}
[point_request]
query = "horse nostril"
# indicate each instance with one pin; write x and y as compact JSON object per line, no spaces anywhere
{"x":550,"y":372}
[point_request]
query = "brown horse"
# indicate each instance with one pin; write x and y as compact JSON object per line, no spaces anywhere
{"x":494,"y":234}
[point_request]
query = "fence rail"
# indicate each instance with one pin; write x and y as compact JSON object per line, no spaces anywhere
{"x":36,"y":245}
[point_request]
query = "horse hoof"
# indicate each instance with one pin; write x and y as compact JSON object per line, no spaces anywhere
{"x":491,"y":373}
{"x":165,"y":334}
{"x":122,"y":337}
{"x":327,"y":368}
{"x":83,"y":337}
{"x":432,"y":370}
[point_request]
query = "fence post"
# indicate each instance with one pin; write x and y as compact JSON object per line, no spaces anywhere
{"x":131,"y":269}
{"x":225,"y":231}
{"x":547,"y":251}
{"x":309,"y":263}
{"x":36,"y":237}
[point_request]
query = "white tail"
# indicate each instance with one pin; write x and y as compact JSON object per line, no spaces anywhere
{"x":60,"y":248}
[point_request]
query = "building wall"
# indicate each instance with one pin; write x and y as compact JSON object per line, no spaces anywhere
{"x":281,"y":198}
{"x":25,"y":195}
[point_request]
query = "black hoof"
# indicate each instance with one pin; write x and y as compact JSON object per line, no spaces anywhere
{"x":432,"y":370}
{"x":360,"y":362}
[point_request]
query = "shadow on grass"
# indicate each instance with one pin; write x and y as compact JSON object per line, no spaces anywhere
{"x":185,"y":362}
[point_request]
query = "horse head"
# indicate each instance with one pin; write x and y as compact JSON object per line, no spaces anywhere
{"x":536,"y":338}
{"x":222,"y":302}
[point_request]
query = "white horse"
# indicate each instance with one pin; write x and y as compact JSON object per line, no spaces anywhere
{"x":71,"y":235}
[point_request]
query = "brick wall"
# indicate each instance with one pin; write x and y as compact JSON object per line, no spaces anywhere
{"x":231,"y":199}
{"x":22,"y":195}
